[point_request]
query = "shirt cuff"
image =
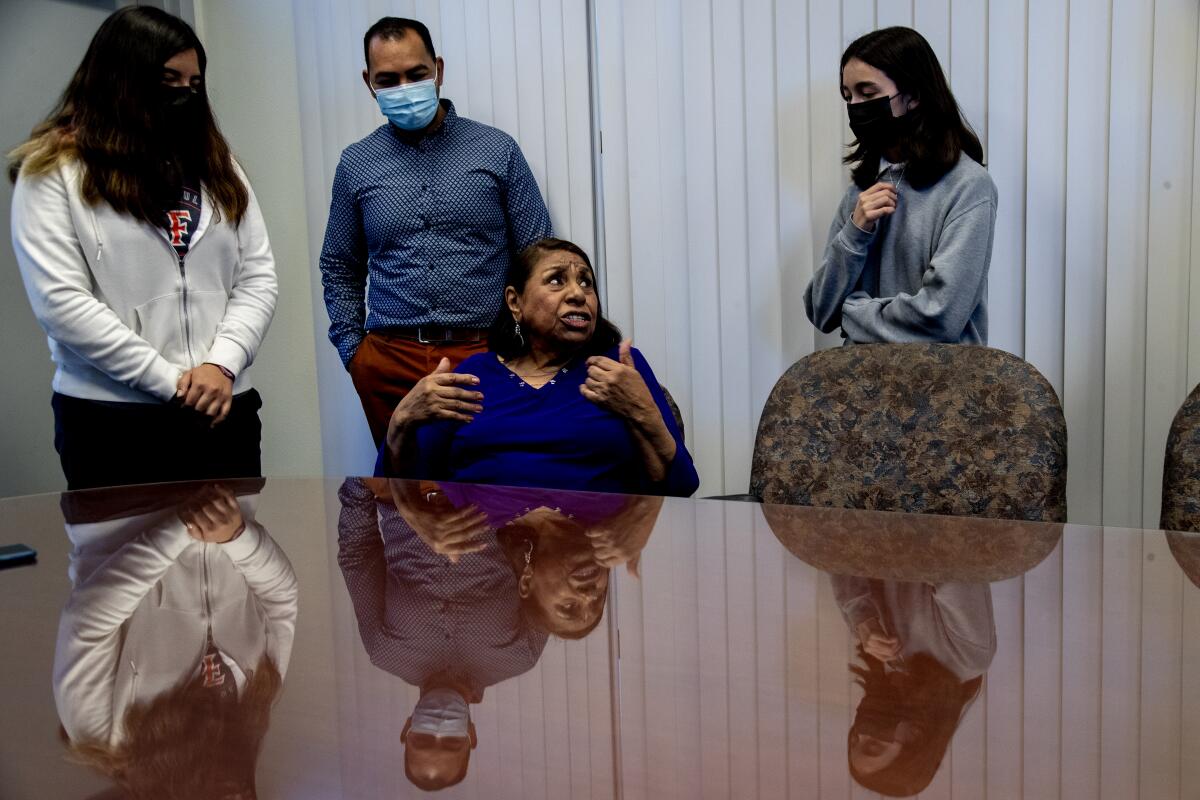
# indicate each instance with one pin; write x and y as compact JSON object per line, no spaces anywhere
{"x":854,"y":238}
{"x":228,"y":354}
{"x":243,"y":546}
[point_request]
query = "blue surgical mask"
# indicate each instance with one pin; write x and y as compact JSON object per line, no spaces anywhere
{"x":441,"y":712}
{"x":409,"y":107}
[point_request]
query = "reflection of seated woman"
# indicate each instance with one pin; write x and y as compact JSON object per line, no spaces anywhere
{"x":559,"y":401}
{"x":560,"y":546}
{"x":173,"y":645}
{"x":924,"y":649}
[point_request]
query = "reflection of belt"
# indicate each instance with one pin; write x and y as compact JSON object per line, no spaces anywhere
{"x":437,"y":334}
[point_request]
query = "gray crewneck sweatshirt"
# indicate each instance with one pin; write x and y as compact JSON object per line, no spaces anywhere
{"x":921,"y":274}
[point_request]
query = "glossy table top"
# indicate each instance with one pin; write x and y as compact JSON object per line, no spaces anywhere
{"x":712,"y":648}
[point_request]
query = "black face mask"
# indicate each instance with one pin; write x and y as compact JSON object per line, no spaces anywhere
{"x":179,"y":105}
{"x":178,"y":125}
{"x":872,"y":122}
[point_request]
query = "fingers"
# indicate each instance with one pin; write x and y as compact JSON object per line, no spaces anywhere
{"x":881,"y":188}
{"x":624,"y":354}
{"x":601,"y":363}
{"x":185,"y":383}
{"x":442,"y":367}
{"x":590,"y":394}
{"x":453,"y":379}
{"x":885,"y":648}
{"x":224,"y":412}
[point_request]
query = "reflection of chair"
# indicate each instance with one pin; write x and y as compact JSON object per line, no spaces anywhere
{"x":674,"y":408}
{"x":1181,"y":470}
{"x":912,"y":547}
{"x":926,"y":428}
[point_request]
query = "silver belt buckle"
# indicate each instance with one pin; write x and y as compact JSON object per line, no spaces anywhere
{"x":425,"y":330}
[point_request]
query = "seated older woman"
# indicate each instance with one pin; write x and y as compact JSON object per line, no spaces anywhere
{"x":559,"y":401}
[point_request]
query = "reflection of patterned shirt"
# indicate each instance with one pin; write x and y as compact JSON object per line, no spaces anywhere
{"x":434,"y":224}
{"x":419,"y":615}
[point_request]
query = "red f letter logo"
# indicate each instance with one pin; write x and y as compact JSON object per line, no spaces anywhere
{"x":179,"y":225}
{"x":212,"y":671}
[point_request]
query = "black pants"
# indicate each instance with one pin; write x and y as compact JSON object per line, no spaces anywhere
{"x":117,"y":444}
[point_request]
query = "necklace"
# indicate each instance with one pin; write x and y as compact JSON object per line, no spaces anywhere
{"x":537,"y":373}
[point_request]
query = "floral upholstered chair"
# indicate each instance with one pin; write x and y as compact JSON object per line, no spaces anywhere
{"x":1181,"y":470}
{"x":923,"y":428}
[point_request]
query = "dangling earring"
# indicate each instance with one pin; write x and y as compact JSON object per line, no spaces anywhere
{"x":517,"y":333}
{"x":529,"y":552}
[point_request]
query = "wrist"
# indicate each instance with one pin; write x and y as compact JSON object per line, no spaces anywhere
{"x":224,"y":370}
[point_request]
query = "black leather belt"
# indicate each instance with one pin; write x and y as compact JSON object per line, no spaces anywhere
{"x":438,"y":334}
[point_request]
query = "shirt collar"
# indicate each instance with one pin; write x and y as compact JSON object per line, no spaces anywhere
{"x":448,"y":123}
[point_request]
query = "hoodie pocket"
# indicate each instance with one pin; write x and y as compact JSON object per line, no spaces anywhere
{"x":161,"y":323}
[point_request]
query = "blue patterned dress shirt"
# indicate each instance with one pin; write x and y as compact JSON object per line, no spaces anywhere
{"x":434,"y":224}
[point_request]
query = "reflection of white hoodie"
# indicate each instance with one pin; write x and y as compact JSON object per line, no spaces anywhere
{"x":136,"y":623}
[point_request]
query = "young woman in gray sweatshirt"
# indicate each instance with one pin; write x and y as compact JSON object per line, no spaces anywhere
{"x":908,"y":251}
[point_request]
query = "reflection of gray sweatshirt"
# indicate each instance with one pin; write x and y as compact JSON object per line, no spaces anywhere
{"x":921,"y":274}
{"x":952,"y":622}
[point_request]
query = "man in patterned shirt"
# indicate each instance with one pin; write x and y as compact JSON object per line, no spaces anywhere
{"x":430,"y":207}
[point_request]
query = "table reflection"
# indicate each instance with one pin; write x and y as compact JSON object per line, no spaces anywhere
{"x":456,"y":588}
{"x":511,"y":643}
{"x":175,"y":639}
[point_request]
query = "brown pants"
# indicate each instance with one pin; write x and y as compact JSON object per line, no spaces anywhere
{"x":386,"y":367}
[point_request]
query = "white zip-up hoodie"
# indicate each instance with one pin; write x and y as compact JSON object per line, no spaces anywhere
{"x":125,"y":316}
{"x":145,"y":594}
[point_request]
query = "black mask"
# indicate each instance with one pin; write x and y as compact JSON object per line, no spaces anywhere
{"x":872,"y":122}
{"x":179,"y":105}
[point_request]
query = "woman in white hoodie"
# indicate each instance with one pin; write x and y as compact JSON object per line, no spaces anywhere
{"x":147,"y":263}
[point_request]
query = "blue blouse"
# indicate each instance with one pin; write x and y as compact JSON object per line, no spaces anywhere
{"x":550,"y":437}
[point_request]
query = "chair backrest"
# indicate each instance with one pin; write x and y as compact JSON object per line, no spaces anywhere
{"x":674,"y":409}
{"x":1181,"y":469}
{"x":925,"y":428}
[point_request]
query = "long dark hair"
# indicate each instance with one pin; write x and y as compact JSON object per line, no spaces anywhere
{"x":111,"y":117}
{"x":502,"y":338}
{"x":182,"y":745}
{"x":928,"y":696}
{"x":936,"y":134}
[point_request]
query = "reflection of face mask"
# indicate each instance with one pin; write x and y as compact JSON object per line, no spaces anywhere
{"x":409,"y":107}
{"x":872,"y":121}
{"x":441,"y":712}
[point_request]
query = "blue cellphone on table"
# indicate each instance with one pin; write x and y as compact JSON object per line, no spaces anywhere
{"x":15,"y":555}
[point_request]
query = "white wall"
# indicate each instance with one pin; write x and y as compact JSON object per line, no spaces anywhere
{"x":723,"y":128}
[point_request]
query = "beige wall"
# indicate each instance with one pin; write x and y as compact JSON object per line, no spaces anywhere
{"x":34,"y":35}
{"x":252,"y":86}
